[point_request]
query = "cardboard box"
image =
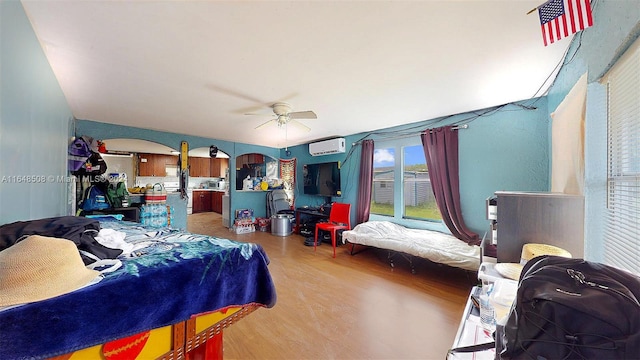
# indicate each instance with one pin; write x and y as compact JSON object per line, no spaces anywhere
{"x":244,"y":213}
{"x":245,"y":229}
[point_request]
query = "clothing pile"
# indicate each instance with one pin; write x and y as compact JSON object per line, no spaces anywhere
{"x":82,"y":231}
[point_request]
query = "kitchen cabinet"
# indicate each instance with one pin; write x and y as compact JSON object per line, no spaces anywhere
{"x":219,"y":167}
{"x":208,"y":167}
{"x":199,"y":167}
{"x":216,"y":201}
{"x":155,"y":164}
{"x":201,"y":201}
{"x":249,"y":159}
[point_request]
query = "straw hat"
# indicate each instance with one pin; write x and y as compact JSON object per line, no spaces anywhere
{"x":529,"y":251}
{"x":39,"y":268}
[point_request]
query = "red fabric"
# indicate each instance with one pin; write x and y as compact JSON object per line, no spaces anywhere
{"x":288,"y":176}
{"x":126,"y":348}
{"x":441,"y":152}
{"x":212,"y":349}
{"x":366,"y":178}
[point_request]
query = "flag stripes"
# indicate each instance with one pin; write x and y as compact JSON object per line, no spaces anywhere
{"x":561,"y":18}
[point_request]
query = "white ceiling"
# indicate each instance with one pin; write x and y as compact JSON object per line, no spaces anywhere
{"x":197,"y":67}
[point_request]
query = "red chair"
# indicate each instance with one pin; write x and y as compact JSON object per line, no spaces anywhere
{"x":339,"y":219}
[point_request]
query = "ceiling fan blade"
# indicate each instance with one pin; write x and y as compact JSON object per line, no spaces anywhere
{"x":263,"y":124}
{"x":302,"y":115}
{"x":234,"y":93}
{"x":300,"y":125}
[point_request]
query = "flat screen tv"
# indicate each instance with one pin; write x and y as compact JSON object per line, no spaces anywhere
{"x":322,"y":179}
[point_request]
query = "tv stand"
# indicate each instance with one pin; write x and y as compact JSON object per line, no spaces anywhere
{"x":309,"y":212}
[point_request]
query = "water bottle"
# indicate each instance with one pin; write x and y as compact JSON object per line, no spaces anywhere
{"x":144,"y":215}
{"x":487,"y":312}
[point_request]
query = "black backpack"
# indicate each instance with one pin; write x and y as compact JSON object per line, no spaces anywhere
{"x":573,"y":309}
{"x":94,"y":165}
{"x":570,"y":309}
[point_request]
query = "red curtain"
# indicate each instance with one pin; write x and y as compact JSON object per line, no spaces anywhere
{"x":365,"y":182}
{"x":441,"y":152}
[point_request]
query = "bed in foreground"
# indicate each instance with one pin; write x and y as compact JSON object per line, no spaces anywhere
{"x":177,"y":286}
{"x":431,"y":245}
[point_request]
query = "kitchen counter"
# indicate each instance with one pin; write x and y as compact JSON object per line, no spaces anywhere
{"x":208,"y":190}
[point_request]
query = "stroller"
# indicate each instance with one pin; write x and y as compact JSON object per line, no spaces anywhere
{"x":278,"y":203}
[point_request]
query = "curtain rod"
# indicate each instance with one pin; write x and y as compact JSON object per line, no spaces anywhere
{"x":456,"y":127}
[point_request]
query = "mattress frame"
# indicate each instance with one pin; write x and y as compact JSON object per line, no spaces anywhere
{"x":202,"y":333}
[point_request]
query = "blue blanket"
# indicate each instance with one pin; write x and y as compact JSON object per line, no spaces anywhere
{"x":174,"y":276}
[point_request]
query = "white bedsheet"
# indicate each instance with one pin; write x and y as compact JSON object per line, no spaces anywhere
{"x":432,"y":245}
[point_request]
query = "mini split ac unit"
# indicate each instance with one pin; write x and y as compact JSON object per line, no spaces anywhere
{"x":326,"y":147}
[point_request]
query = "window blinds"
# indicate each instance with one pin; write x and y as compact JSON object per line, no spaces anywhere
{"x":622,"y":229}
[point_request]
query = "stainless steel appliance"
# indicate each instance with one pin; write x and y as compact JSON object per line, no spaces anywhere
{"x":216,"y":184}
{"x":225,"y":211}
{"x":539,"y":217}
{"x":281,"y":224}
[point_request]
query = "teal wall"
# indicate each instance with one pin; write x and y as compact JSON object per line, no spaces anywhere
{"x":237,"y":199}
{"x":594,"y":51}
{"x":507,"y":150}
{"x":503,"y":150}
{"x":34,"y":125}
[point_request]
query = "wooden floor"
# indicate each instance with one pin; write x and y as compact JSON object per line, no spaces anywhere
{"x":350,"y":307}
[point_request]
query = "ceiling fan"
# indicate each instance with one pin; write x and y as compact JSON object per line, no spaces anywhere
{"x":284,"y":116}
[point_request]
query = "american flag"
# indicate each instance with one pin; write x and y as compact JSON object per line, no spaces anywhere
{"x":561,"y":18}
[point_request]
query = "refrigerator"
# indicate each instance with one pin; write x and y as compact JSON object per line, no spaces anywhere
{"x":226,"y":222}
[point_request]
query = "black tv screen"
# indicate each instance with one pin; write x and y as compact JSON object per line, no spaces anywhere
{"x":322,"y":179}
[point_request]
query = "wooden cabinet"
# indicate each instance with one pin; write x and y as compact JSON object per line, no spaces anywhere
{"x":208,"y":167}
{"x":155,"y":164}
{"x":199,"y":167}
{"x":207,"y":200}
{"x":216,"y":201}
{"x":249,"y":159}
{"x":219,"y":167}
{"x":201,"y":201}
{"x":256,"y":158}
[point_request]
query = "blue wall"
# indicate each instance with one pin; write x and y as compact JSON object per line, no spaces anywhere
{"x":503,"y":150}
{"x":34,"y":125}
{"x":237,"y":199}
{"x":594,"y":51}
{"x":508,"y":150}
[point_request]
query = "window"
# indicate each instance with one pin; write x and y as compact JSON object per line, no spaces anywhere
{"x":402,"y":163}
{"x":622,"y":229}
{"x":382,"y":197}
{"x":419,"y":202}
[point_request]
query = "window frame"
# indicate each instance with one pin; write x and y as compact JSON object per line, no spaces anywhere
{"x":398,"y":194}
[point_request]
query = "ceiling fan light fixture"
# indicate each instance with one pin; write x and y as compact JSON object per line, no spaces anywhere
{"x":281,"y":108}
{"x":284,"y":115}
{"x":282,"y":119}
